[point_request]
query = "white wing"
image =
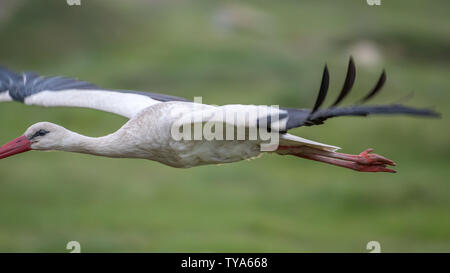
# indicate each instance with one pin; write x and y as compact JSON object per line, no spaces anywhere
{"x":237,"y":115}
{"x":270,"y":118}
{"x":32,"y":89}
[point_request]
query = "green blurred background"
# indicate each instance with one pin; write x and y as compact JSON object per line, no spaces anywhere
{"x":261,"y":52}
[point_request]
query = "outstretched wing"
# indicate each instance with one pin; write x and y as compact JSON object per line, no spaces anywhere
{"x":236,"y":122}
{"x":32,"y":89}
{"x":316,"y":116}
{"x":283,"y":119}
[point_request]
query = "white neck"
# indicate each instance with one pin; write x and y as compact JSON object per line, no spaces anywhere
{"x":112,"y":145}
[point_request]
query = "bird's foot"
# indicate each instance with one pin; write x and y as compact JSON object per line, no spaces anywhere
{"x":366,"y":158}
{"x":364,"y":162}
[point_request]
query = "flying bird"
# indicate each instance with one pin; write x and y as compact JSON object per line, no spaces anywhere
{"x":149,"y":132}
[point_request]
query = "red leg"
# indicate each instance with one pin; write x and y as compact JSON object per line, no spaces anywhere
{"x":364,"y":162}
{"x":363,"y":158}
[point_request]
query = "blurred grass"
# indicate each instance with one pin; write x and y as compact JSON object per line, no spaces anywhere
{"x":260,"y":52}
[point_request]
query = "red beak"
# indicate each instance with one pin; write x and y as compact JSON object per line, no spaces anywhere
{"x":17,"y":146}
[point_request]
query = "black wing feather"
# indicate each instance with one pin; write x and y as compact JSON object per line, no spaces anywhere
{"x":370,"y":110}
{"x":302,"y":117}
{"x":7,"y":79}
{"x":348,"y":83}
{"x":376,"y":89}
{"x":316,"y":116}
{"x":323,"y":89}
{"x":26,"y":84}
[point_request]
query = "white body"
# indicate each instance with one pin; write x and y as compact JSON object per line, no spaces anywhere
{"x":148,"y":135}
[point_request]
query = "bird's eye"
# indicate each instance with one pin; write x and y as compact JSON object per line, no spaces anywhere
{"x":41,"y":132}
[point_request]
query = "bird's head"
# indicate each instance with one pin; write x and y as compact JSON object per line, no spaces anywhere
{"x":39,"y":136}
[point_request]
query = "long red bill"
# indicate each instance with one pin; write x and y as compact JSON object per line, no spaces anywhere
{"x":17,"y":146}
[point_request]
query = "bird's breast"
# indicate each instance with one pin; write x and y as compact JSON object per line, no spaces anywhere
{"x":152,"y":135}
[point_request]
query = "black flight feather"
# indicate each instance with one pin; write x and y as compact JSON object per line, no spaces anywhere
{"x":323,"y":89}
{"x":348,"y":83}
{"x":376,"y":89}
{"x":316,"y":116}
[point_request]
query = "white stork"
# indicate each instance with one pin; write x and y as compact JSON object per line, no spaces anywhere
{"x":148,"y":134}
